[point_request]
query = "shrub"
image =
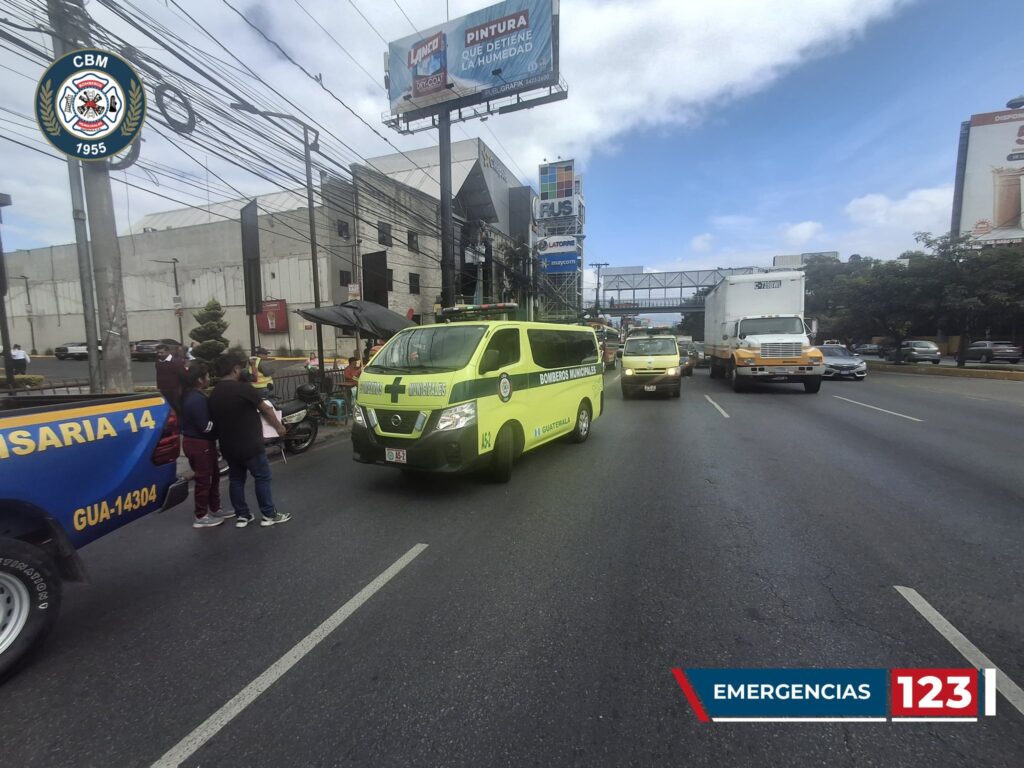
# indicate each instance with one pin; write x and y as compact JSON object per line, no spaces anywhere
{"x":27,"y":380}
{"x":210,"y":333}
{"x":282,"y":351}
{"x":48,"y":351}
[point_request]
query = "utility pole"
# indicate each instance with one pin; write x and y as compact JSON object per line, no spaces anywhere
{"x":177,"y":292}
{"x":444,"y":145}
{"x":597,"y":291}
{"x":307,"y":149}
{"x":5,"y":336}
{"x":106,"y":250}
{"x":28,"y":312}
{"x":62,"y":27}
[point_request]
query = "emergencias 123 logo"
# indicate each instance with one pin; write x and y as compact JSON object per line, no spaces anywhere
{"x":90,"y":104}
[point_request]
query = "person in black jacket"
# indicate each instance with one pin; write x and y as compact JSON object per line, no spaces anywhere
{"x":199,"y":442}
{"x":170,"y":376}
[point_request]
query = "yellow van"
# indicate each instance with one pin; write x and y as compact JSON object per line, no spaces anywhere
{"x":650,"y":363}
{"x":463,"y":395}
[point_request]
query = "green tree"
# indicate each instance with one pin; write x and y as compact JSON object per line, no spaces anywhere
{"x":210,"y":332}
{"x":886,"y":298}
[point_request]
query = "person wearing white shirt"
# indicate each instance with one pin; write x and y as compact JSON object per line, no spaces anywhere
{"x":20,"y":358}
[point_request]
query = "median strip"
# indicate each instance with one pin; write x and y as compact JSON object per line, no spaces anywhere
{"x":215,"y":722}
{"x":876,"y":408}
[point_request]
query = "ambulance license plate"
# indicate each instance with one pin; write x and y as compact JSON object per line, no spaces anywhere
{"x":395,"y":455}
{"x":650,"y":388}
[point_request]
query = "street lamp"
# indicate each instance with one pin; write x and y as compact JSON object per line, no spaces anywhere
{"x":177,"y":295}
{"x":28,"y":312}
{"x":1016,"y":103}
{"x":308,"y":146}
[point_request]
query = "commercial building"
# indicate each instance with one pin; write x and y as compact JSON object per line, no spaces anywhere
{"x":561,"y":217}
{"x":377,"y":233}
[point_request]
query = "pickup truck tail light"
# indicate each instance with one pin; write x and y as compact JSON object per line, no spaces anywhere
{"x":168,"y":446}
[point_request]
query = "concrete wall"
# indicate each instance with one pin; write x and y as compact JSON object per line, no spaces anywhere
{"x":210,"y":266}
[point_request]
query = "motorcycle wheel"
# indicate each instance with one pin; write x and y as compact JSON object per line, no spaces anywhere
{"x":302,"y":437}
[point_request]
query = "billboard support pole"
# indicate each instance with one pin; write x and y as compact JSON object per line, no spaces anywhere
{"x":444,"y":140}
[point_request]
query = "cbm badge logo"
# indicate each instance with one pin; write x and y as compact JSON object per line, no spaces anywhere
{"x":90,"y":104}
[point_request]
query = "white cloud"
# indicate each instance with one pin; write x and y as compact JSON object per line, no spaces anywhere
{"x":921,"y":209}
{"x":802,"y":233}
{"x":702,"y":242}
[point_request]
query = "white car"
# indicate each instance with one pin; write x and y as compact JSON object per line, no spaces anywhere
{"x":841,"y":363}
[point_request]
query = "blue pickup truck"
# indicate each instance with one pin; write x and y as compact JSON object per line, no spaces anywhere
{"x":72,"y":469}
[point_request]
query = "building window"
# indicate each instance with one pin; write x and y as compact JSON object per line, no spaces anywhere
{"x":344,"y":278}
{"x":414,"y":282}
{"x":343,"y":229}
{"x":414,"y":241}
{"x":383,"y":233}
{"x":391,"y":280}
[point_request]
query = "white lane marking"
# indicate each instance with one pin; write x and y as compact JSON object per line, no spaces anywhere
{"x":876,"y":408}
{"x":719,"y":408}
{"x":1010,"y":690}
{"x":215,"y":722}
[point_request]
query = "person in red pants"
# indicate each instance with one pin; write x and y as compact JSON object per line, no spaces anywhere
{"x":199,"y":441}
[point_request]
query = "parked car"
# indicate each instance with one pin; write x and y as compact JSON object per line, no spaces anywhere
{"x":868,"y":349}
{"x":993,"y":351}
{"x":74,"y":350}
{"x":146,"y":349}
{"x":841,"y":363}
{"x":916,"y":352}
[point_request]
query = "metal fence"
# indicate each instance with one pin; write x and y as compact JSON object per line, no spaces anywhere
{"x":68,"y":387}
{"x":285,"y":385}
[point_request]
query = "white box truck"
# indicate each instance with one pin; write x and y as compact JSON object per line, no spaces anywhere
{"x":754,"y":330}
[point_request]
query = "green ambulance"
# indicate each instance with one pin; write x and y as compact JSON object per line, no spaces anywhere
{"x":473,"y":394}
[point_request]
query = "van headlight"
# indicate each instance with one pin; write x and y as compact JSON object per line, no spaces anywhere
{"x":357,"y":416}
{"x":457,"y":417}
{"x":628,"y":372}
{"x":672,"y":371}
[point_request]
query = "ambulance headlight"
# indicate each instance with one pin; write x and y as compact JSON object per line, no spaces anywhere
{"x":357,"y":416}
{"x":628,"y":372}
{"x":457,"y":417}
{"x":672,"y":371}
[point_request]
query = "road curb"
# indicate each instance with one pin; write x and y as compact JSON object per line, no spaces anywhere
{"x":938,"y":370}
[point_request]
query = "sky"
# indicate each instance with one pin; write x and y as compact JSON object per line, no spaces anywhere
{"x":710,"y":133}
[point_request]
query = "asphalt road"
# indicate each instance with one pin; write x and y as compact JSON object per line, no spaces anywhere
{"x":540,"y":623}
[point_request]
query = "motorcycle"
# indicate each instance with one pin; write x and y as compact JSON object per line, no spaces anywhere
{"x":300,"y":417}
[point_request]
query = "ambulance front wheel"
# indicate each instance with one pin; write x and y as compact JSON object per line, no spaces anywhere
{"x":583,"y":423}
{"x":30,"y":591}
{"x":503,"y":456}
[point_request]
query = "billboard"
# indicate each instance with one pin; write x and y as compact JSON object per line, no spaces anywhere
{"x":499,"y":51}
{"x":559,"y":254}
{"x":557,"y":180}
{"x":993,"y":178}
{"x":560,"y":263}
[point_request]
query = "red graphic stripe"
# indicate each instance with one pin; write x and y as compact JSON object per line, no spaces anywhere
{"x":691,"y":695}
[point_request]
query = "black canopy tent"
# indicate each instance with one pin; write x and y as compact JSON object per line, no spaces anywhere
{"x":363,"y":317}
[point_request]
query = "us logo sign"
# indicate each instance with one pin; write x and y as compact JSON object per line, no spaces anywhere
{"x":90,"y":104}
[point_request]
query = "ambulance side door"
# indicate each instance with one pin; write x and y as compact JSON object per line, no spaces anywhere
{"x":502,"y":384}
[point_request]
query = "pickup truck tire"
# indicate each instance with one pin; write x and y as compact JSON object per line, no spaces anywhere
{"x":30,"y":593}
{"x":812,"y":384}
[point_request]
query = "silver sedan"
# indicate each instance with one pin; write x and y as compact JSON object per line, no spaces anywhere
{"x":841,"y":363}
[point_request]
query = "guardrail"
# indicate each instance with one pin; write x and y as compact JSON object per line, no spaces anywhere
{"x":66,"y":387}
{"x":286,"y":384}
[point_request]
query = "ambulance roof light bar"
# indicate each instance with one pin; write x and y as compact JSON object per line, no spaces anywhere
{"x":475,"y":311}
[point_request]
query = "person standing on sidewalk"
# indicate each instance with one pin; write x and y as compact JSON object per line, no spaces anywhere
{"x":199,"y":442}
{"x":170,"y":375}
{"x":20,"y":358}
{"x":236,"y":407}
